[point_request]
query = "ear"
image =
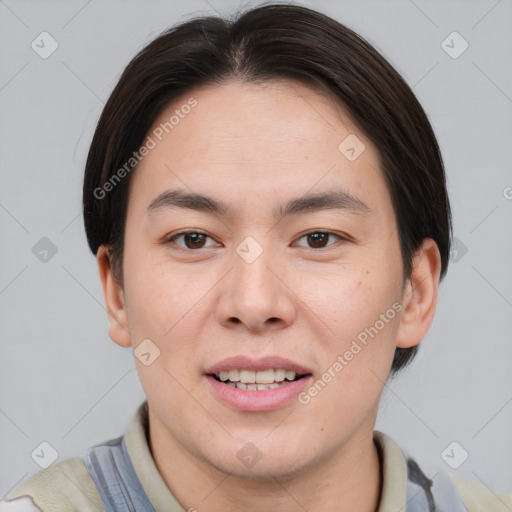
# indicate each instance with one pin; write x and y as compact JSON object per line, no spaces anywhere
{"x":420,"y":295}
{"x":114,"y":300}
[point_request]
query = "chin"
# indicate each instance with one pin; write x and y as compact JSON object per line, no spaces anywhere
{"x":260,"y":461}
{"x":264,"y":470}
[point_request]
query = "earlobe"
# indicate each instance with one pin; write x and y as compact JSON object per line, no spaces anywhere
{"x":114,"y":299}
{"x":420,"y":295}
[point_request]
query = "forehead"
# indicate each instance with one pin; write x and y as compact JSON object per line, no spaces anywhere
{"x":248,"y":142}
{"x":272,"y":120}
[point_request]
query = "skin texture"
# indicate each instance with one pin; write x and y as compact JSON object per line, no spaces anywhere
{"x":254,"y":147}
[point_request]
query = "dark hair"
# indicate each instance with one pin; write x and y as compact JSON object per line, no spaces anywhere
{"x":272,"y":42}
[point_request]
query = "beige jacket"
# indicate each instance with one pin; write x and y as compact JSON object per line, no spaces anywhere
{"x":66,"y":486}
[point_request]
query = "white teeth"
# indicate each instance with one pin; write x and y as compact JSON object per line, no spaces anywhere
{"x":290,"y":375}
{"x":234,"y":375}
{"x":247,"y":376}
{"x":256,"y":380}
{"x":255,"y":387}
{"x":260,"y":377}
{"x":279,"y":375}
{"x":265,"y":377}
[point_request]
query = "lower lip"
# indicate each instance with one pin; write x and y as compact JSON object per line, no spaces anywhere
{"x":267,"y":400}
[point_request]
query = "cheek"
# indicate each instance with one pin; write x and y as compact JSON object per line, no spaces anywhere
{"x":359,"y":313}
{"x":164,"y":305}
{"x":354,"y":374}
{"x":348,"y":298}
{"x":162,"y":299}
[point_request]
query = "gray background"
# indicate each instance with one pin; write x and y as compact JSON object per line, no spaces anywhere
{"x":62,"y":380}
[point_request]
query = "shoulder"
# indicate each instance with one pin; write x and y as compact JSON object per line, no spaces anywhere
{"x":477,"y":497}
{"x":404,"y":478}
{"x":63,"y":487}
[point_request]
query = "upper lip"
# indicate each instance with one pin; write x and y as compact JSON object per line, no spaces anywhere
{"x":242,"y":362}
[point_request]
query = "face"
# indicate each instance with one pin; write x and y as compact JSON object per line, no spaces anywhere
{"x":258,"y":249}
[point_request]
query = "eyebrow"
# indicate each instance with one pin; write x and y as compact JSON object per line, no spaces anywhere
{"x":332,"y":200}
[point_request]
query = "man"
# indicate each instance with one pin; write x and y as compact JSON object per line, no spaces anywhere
{"x":267,"y":203}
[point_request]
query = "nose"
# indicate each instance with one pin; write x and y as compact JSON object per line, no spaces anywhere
{"x":255,"y":295}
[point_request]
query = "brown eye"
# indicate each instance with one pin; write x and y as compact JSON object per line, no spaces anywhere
{"x":194,"y":240}
{"x":191,"y":240}
{"x":319,"y":239}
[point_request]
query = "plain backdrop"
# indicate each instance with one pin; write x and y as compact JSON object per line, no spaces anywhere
{"x":64,"y":382}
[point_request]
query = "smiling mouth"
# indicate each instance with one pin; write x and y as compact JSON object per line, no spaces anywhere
{"x":261,"y":380}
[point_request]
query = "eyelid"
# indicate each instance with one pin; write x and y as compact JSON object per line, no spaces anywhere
{"x":172,"y":237}
{"x":340,"y":236}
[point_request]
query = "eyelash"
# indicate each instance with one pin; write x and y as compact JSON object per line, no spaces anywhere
{"x":183,"y":233}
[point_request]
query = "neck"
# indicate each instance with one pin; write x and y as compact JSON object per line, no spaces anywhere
{"x":349,"y":479}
